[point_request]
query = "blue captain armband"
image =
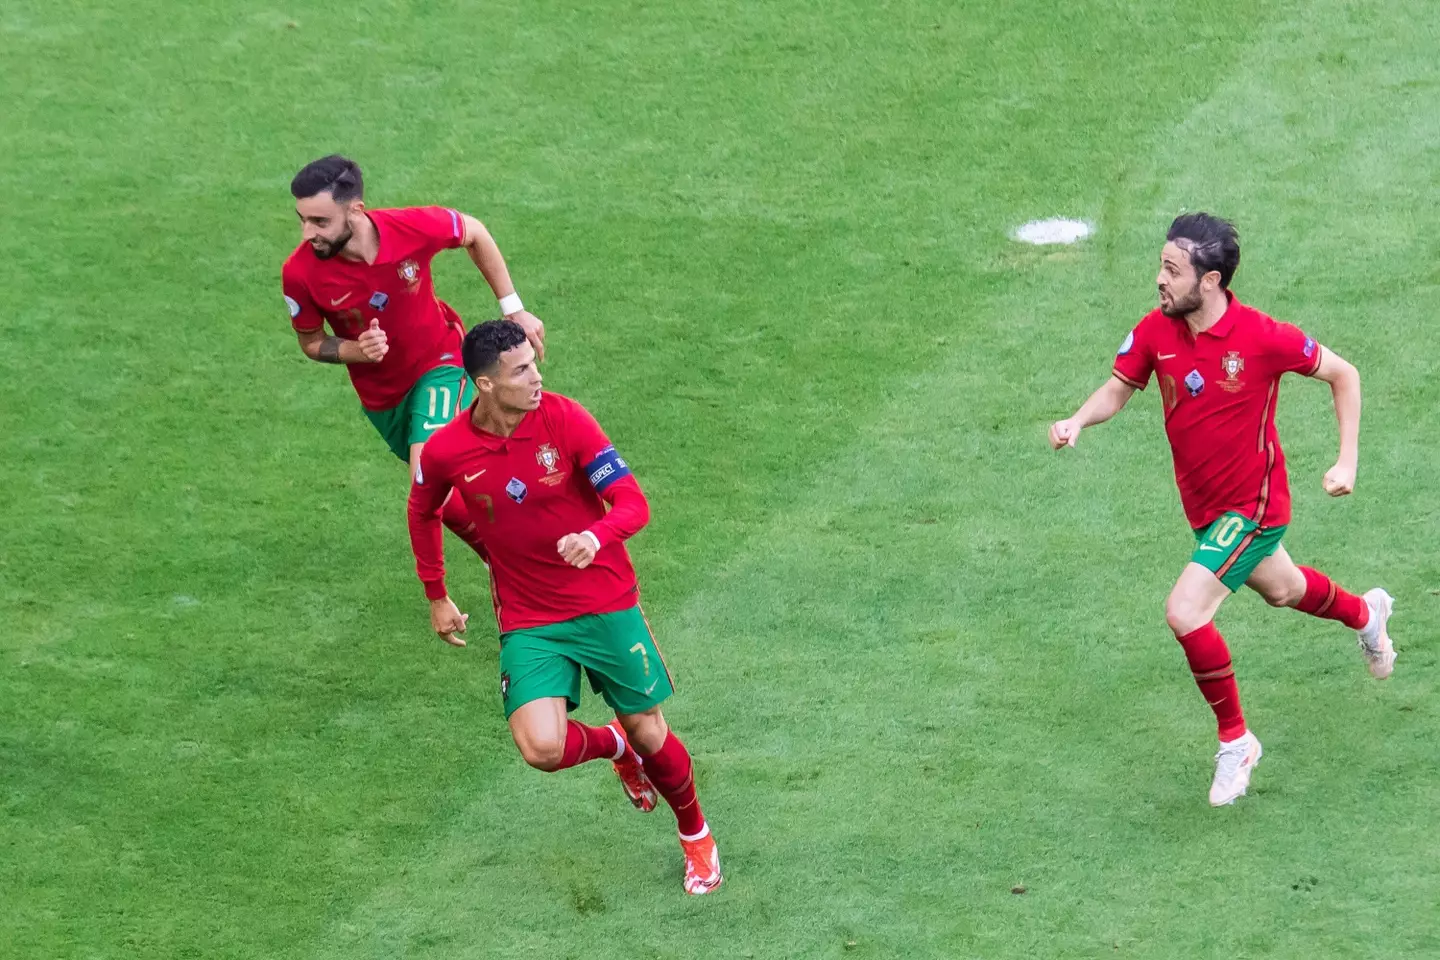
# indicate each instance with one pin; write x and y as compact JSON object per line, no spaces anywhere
{"x":607,"y":467}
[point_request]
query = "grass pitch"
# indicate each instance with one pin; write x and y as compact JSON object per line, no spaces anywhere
{"x":922,"y":660}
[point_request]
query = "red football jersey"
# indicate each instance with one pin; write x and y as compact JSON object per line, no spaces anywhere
{"x":553,"y":476}
{"x":1219,"y":391}
{"x":423,"y":332}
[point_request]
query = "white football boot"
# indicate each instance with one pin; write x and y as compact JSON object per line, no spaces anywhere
{"x":1375,"y":639}
{"x":1233,"y":765}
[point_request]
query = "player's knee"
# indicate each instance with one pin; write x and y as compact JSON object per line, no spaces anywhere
{"x":1285,"y":596}
{"x":1182,"y":616}
{"x":546,"y":755}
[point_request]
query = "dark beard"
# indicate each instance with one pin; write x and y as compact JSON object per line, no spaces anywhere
{"x":1182,"y":308}
{"x":331,"y":249}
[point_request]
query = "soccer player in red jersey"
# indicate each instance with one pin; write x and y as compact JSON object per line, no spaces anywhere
{"x":554,"y":503}
{"x":1219,"y":364}
{"x":367,"y":274}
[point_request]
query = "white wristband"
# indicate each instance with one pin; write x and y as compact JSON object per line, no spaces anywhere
{"x":510,"y":303}
{"x":593,"y":539}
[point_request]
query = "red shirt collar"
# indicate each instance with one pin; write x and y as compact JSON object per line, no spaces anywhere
{"x":524,"y":430}
{"x":1222,"y":327}
{"x":380,"y":245}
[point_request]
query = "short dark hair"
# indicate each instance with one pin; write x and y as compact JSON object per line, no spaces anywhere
{"x":336,"y":175}
{"x":1213,"y":244}
{"x":484,"y":344}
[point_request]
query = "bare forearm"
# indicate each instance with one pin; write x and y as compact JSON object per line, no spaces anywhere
{"x":1104,"y":403}
{"x":1346,"y":392}
{"x":486,"y":254}
{"x":334,"y":350}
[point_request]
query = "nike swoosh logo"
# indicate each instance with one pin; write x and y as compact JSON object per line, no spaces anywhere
{"x":1206,"y":546}
{"x":1165,"y":356}
{"x":432,"y":426}
{"x":336,"y":303}
{"x":650,"y":688}
{"x":472,"y":477}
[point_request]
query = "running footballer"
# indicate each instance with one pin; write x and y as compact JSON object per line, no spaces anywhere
{"x":1218,"y":364}
{"x":553,"y":504}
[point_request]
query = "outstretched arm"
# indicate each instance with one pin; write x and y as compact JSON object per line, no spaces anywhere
{"x":1103,"y":404}
{"x":1344,"y":382}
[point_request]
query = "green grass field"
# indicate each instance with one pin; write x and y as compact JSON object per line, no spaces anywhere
{"x":922,"y":659}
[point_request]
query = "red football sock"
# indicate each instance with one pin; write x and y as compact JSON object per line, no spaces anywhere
{"x":1210,"y":663}
{"x":669,"y":768}
{"x":457,"y":518}
{"x":1324,"y":598}
{"x":583,"y":744}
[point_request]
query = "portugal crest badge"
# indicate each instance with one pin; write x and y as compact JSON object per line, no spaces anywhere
{"x":549,"y":458}
{"x":1232,"y":363}
{"x":409,"y":271}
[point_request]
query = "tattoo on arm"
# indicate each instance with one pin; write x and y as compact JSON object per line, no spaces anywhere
{"x":329,"y":351}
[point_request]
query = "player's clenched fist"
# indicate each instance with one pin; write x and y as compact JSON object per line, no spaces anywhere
{"x":373,"y":343}
{"x":578,"y":549}
{"x":447,"y":620}
{"x":1063,"y":433}
{"x":1339,"y":480}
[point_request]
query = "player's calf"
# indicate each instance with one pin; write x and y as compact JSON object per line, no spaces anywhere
{"x":1209,"y":658}
{"x":1324,"y":598}
{"x":646,"y":731}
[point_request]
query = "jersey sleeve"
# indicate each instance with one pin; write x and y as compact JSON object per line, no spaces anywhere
{"x":1291,"y":350}
{"x":305,"y":317}
{"x":428,"y":492}
{"x":441,"y":227}
{"x":1135,"y":361}
{"x":609,"y":474}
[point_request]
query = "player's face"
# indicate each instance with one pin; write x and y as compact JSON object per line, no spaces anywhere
{"x":324,"y":224}
{"x":1179,"y":286}
{"x":515,"y":384}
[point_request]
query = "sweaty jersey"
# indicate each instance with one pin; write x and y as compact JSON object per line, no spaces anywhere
{"x":1219,"y":391}
{"x":422,"y":331}
{"x":553,"y":476}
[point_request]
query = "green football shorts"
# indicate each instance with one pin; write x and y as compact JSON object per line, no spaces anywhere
{"x":616,"y":650}
{"x":1233,"y":546}
{"x":436,"y":397}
